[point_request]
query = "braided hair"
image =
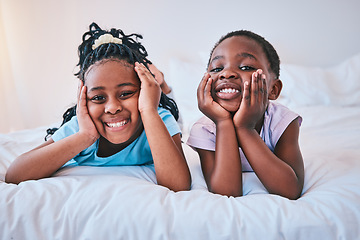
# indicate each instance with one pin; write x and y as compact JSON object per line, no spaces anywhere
{"x":129,"y":49}
{"x":268,"y":49}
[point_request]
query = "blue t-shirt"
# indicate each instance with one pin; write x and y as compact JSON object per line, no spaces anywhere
{"x":136,"y":153}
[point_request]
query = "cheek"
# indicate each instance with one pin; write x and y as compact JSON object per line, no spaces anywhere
{"x":211,"y":73}
{"x":246,"y":77}
{"x":94,"y":109}
{"x":136,"y":120}
{"x":133,"y":104}
{"x":133,"y":107}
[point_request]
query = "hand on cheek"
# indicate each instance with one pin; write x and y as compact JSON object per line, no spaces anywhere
{"x":206,"y":103}
{"x":150,"y":90}
{"x":86,"y":125}
{"x":254,"y":101}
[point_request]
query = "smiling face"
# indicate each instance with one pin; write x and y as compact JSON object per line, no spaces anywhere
{"x":231,"y":64}
{"x":112,"y":100}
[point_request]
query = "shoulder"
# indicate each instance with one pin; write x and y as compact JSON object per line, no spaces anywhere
{"x":67,"y":129}
{"x":278,"y":118}
{"x":169,"y":121}
{"x":279,"y":113}
{"x":203,"y":134}
{"x":164,"y":113}
{"x":204,"y":122}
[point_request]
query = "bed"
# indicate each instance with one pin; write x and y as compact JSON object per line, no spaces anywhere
{"x":125,"y":203}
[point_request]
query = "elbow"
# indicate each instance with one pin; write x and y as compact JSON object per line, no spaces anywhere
{"x":11,"y":178}
{"x":295,"y":194}
{"x":180,"y":188}
{"x":291,"y":194}
{"x":229,"y":190}
{"x":15,"y":175}
{"x":184,"y":186}
{"x":228,"y":193}
{"x":177,"y":186}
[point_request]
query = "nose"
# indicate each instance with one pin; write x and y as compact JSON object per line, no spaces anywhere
{"x":228,"y":73}
{"x":113,"y":106}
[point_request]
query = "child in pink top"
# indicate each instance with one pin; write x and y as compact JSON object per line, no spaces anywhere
{"x":242,"y":76}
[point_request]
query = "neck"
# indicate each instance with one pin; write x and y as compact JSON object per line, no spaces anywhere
{"x":107,"y":148}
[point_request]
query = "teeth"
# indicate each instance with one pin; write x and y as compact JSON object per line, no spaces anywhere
{"x":117,"y":124}
{"x":229,"y":90}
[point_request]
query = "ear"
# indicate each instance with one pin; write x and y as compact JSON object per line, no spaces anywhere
{"x":274,"y":91}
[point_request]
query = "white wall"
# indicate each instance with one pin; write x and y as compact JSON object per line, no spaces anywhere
{"x":39,"y":40}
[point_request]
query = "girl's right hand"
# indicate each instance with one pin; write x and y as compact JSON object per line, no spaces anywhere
{"x":206,"y":103}
{"x":86,"y":125}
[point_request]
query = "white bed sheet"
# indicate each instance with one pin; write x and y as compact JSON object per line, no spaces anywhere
{"x":125,"y":202}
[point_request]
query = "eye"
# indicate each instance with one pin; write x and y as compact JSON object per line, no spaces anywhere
{"x":98,"y":99}
{"x":217,"y":69}
{"x":126,"y":94}
{"x":247,"y":68}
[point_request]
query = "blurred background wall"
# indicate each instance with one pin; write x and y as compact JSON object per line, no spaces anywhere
{"x":39,"y":40}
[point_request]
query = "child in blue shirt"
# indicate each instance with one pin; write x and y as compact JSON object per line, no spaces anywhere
{"x":122,"y":117}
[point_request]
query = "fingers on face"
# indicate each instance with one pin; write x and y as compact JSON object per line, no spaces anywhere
{"x":82,"y":97}
{"x":204,"y":88}
{"x":159,"y":76}
{"x":246,"y":93}
{"x":258,"y":87}
{"x":255,"y":87}
{"x":263,"y":89}
{"x":81,"y":92}
{"x":80,"y":85}
{"x":143,"y":73}
{"x":251,"y":88}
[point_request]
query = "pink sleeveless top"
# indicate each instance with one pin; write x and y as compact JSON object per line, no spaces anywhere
{"x":277,"y":118}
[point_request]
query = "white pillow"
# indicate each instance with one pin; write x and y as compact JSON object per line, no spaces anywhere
{"x":184,"y":78}
{"x":302,"y":86}
{"x":310,"y":86}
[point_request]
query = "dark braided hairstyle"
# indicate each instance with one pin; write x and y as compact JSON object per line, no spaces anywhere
{"x":130,"y":50}
{"x":268,"y":49}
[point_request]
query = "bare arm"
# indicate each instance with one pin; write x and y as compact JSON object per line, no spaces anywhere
{"x":159,"y":76}
{"x":281,"y":172}
{"x":170,"y":165}
{"x":44,"y":160}
{"x":47,"y":158}
{"x":222,"y":168}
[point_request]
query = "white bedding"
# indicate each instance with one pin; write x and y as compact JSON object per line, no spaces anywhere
{"x":125,"y":203}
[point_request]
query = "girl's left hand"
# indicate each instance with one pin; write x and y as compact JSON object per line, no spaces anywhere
{"x":254,"y":101}
{"x":150,"y":90}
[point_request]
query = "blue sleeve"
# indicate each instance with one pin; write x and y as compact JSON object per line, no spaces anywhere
{"x":169,"y":120}
{"x":66,"y":130}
